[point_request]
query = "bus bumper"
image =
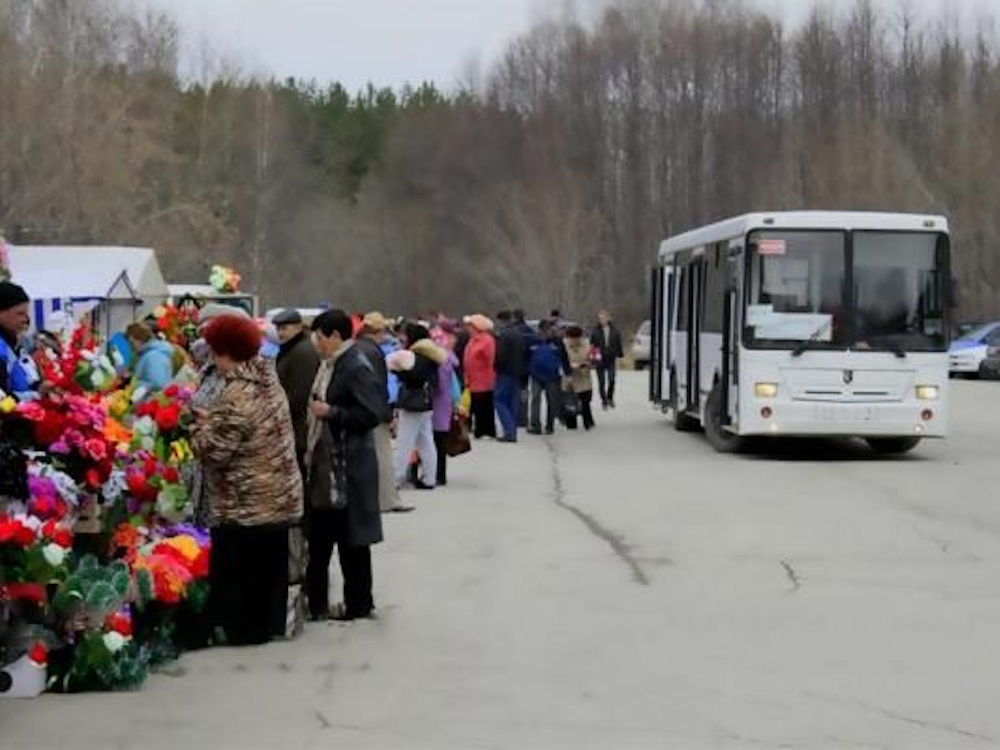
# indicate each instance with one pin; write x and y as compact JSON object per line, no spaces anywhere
{"x":797,"y":418}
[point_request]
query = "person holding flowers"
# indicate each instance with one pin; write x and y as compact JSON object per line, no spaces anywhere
{"x":254,"y":490}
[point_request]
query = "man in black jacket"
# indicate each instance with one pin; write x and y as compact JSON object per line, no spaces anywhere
{"x":297,"y":364}
{"x":509,"y":366}
{"x":524,"y":380}
{"x":348,"y":404}
{"x":608,"y":341}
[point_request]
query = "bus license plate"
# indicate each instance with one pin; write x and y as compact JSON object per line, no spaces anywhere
{"x":840,"y":414}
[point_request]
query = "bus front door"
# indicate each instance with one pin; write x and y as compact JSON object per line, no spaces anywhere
{"x":695,"y":279}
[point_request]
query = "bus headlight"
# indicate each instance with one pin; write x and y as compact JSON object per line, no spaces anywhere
{"x":766,"y":390}
{"x":928,"y":392}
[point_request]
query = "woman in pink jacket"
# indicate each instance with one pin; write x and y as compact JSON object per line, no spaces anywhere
{"x":480,"y":377}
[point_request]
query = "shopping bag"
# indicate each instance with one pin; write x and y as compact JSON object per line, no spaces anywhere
{"x":570,"y":405}
{"x":458,"y":437}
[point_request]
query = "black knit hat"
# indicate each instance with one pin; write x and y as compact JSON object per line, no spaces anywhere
{"x":11,"y":295}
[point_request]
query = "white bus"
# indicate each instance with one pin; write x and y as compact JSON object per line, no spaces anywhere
{"x":808,"y":323}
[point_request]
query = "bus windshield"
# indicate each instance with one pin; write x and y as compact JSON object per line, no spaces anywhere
{"x":796,"y":289}
{"x":797,"y":296}
{"x":899,"y":291}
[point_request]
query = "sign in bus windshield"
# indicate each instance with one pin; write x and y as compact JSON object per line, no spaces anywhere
{"x":864,"y":290}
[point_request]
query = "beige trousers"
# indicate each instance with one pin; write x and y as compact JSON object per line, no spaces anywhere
{"x":388,"y":493}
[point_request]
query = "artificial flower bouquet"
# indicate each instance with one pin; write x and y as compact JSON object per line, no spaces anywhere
{"x":179,"y":325}
{"x":224,"y":280}
{"x":99,"y":652}
{"x":80,"y":367}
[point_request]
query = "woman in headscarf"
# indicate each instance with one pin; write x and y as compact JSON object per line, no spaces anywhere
{"x":479,"y":360}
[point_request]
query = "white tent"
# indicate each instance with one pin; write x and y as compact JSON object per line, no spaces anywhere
{"x":120,"y":284}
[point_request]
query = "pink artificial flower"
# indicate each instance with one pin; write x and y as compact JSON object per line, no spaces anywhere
{"x":96,"y":449}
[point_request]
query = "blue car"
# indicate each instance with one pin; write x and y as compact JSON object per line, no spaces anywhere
{"x":971,"y":355}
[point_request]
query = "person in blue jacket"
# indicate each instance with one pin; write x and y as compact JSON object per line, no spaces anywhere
{"x":154,"y":366}
{"x":15,"y":378}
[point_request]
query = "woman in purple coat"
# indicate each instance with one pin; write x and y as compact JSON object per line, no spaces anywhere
{"x":446,"y":397}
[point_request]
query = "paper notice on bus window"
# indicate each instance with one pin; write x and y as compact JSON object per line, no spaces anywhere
{"x":759,"y":314}
{"x":772,"y":247}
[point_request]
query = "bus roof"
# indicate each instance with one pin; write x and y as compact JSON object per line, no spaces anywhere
{"x":740,"y":226}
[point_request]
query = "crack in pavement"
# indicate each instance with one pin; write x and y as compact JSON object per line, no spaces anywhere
{"x":792,"y":576}
{"x":945,"y":728}
{"x":323,"y":721}
{"x":615,"y":541}
{"x":948,"y":728}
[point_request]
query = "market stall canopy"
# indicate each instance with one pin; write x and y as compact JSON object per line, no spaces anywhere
{"x":126,"y":279}
{"x":82,"y":270}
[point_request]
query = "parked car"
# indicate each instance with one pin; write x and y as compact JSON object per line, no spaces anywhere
{"x":972,"y":355}
{"x":991,"y":365}
{"x":642,"y":346}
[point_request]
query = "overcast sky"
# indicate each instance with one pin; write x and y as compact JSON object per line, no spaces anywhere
{"x":392,"y":42}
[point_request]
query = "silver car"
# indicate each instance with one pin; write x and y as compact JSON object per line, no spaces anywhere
{"x":642,"y":345}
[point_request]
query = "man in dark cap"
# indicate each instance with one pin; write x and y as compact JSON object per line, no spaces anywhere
{"x":297,"y":364}
{"x":14,"y":323}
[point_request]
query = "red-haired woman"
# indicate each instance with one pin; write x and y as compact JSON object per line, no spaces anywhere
{"x":254,"y":489}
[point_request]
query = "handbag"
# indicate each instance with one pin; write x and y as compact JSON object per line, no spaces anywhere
{"x":595,"y":355}
{"x":459,"y":442}
{"x":570,"y":405}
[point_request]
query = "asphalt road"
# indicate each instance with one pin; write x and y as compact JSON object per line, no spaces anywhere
{"x":625,"y":589}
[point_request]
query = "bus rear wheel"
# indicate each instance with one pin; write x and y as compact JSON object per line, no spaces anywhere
{"x":896,"y":446}
{"x":718,"y":436}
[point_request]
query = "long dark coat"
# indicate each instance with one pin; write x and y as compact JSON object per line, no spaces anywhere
{"x":297,"y":365}
{"x":356,"y":399}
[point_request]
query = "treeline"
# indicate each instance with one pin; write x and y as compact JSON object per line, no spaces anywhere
{"x":549,"y":183}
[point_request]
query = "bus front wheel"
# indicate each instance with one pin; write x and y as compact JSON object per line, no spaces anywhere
{"x":892,"y":446}
{"x":720,"y":438}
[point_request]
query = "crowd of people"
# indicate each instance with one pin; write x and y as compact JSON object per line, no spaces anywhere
{"x":302,"y":455}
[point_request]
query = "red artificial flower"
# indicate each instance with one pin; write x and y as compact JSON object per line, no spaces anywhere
{"x":136,"y":483}
{"x":147,"y":409}
{"x":14,"y":530}
{"x":93,"y":478}
{"x":44,"y":506}
{"x":168,"y":417}
{"x":30,"y":410}
{"x":24,"y":536}
{"x":50,"y":428}
{"x":119,"y":622}
{"x":199,"y":569}
{"x":151,"y":467}
{"x":172,"y":391}
{"x":63,"y":537}
{"x":33,"y":593}
{"x":171,"y":475}
{"x":39,"y":654}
